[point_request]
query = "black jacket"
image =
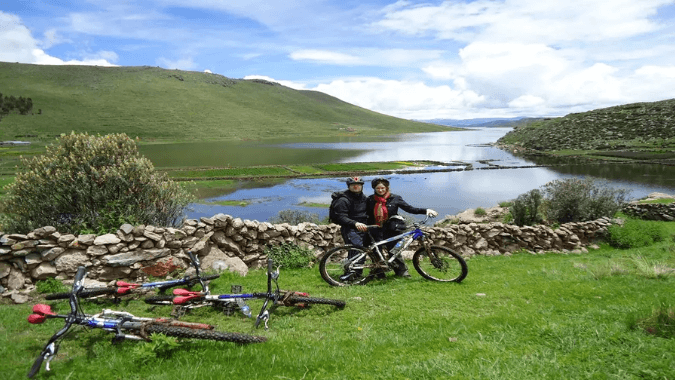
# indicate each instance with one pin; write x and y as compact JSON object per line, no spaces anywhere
{"x":394,"y":202}
{"x":349,"y":208}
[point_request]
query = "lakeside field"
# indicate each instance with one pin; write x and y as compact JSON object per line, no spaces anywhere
{"x":546,"y":316}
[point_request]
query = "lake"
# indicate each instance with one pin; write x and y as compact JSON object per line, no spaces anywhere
{"x":447,"y":192}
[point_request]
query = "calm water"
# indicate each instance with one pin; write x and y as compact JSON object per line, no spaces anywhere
{"x":447,"y":192}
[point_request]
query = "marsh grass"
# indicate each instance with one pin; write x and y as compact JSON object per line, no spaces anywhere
{"x":525,"y":316}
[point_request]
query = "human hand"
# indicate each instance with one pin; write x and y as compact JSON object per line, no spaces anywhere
{"x":361,"y":227}
{"x":431,"y":213}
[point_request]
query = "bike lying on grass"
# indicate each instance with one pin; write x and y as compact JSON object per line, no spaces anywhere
{"x":353,"y":265}
{"x":125,"y":288}
{"x":187,"y":300}
{"x":124,"y":325}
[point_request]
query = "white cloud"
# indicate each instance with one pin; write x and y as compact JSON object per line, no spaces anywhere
{"x":18,"y":45}
{"x":323,"y":56}
{"x":525,"y":20}
{"x":287,"y":83}
{"x":411,"y":100}
{"x":185,"y":63}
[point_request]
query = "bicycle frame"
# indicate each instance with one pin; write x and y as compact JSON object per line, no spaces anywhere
{"x":273,"y":294}
{"x":125,"y":287}
{"x":416,"y":234}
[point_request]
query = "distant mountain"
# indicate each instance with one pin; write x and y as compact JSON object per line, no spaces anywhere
{"x":173,"y":105}
{"x":482,"y":122}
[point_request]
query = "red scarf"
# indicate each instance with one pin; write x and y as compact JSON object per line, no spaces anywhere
{"x":380,"y":212}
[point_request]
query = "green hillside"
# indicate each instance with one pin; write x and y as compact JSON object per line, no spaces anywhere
{"x":172,"y":105}
{"x":639,"y":130}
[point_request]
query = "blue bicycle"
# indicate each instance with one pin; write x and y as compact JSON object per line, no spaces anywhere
{"x":353,"y":265}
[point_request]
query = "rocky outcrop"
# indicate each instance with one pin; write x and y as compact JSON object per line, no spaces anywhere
{"x":226,"y":243}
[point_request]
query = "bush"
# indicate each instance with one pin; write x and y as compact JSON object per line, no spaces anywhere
{"x":480,"y":212}
{"x":290,"y":255}
{"x":51,"y":285}
{"x":294,"y":217}
{"x":525,"y":209}
{"x":636,"y":233}
{"x":93,"y":184}
{"x":578,"y":200}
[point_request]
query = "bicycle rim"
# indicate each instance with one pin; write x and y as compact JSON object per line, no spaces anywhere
{"x":335,"y":264}
{"x":442,"y":265}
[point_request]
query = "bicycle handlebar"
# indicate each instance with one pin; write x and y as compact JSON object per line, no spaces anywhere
{"x":50,"y":349}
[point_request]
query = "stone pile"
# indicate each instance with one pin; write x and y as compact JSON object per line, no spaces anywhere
{"x":226,"y":243}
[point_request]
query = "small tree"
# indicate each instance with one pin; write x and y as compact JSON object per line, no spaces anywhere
{"x":93,"y":183}
{"x":577,"y":200}
{"x":525,"y":209}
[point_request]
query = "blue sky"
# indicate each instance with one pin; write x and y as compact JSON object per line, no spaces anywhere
{"x":415,"y":60}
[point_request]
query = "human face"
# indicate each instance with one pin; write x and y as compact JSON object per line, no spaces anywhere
{"x":381,"y":189}
{"x":356,"y":187}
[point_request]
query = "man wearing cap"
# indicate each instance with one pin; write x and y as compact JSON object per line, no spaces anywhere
{"x":349,"y":209}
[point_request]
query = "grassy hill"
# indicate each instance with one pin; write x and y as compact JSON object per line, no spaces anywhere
{"x":172,"y":105}
{"x":639,"y":130}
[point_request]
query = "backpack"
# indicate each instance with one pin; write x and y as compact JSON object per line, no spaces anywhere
{"x":332,"y":218}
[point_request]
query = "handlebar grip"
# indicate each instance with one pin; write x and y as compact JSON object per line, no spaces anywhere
{"x":81,"y":271}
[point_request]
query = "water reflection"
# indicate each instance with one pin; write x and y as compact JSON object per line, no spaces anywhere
{"x":446,"y":192}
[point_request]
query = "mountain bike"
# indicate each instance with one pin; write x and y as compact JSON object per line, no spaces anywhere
{"x":125,"y":288}
{"x":354,"y":265}
{"x":124,"y":325}
{"x":274,"y":297}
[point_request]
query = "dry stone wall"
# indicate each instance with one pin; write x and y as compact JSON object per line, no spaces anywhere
{"x":226,"y":243}
{"x":651,"y":211}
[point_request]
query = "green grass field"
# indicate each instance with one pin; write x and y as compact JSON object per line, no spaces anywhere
{"x":549,"y":316}
{"x":159,"y":105}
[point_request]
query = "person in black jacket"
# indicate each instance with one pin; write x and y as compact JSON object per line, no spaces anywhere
{"x":349,"y":211}
{"x":380,"y":207}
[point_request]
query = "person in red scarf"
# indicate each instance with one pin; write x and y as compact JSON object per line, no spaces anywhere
{"x":380,"y":207}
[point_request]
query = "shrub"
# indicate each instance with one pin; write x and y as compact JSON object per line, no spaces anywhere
{"x":91,"y":183}
{"x":578,"y":200}
{"x":51,"y":285}
{"x":290,"y":255}
{"x":480,"y":212}
{"x":636,"y":233}
{"x":294,"y":217}
{"x":525,"y":209}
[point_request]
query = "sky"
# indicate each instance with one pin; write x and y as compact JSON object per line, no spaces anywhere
{"x":415,"y":60}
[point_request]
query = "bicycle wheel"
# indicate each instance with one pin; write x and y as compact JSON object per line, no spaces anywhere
{"x":85,"y":293}
{"x":184,"y":332}
{"x":314,"y":300}
{"x":338,"y":270}
{"x":160,"y":300}
{"x":441,"y":265}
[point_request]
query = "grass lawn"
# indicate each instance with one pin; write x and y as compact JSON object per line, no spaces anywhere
{"x":550,"y":316}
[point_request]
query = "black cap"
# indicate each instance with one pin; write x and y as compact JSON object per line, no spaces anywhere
{"x":379,"y":180}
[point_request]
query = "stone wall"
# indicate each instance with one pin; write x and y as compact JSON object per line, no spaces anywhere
{"x":651,"y":211}
{"x":226,"y":243}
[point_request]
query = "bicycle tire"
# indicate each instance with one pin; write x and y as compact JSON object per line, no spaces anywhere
{"x":36,"y":365}
{"x":184,"y":332}
{"x":314,"y":300}
{"x":85,"y":293}
{"x":160,"y":300}
{"x":449,"y":266}
{"x":332,"y":266}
